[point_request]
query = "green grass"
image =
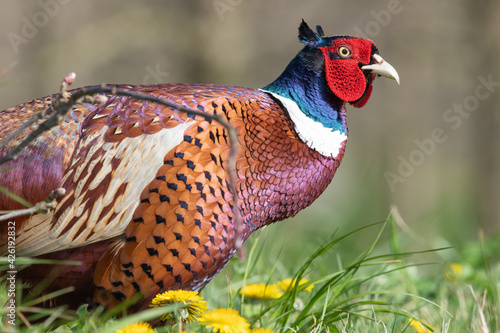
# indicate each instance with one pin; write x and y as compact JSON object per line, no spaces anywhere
{"x":378,"y":290}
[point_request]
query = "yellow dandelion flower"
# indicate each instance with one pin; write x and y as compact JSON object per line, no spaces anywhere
{"x":225,"y":321}
{"x":261,"y":290}
{"x":261,"y":330}
{"x":139,"y":327}
{"x":454,"y":272}
{"x":194,"y":305}
{"x":419,"y":327}
{"x":287,"y":284}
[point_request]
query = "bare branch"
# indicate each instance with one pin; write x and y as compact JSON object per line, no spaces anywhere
{"x":232,"y":172}
{"x":24,"y":126}
{"x":62,"y":97}
{"x":41,"y":207}
{"x":62,"y":105}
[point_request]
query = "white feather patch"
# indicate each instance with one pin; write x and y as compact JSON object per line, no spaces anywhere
{"x":141,"y":157}
{"x":324,"y":140}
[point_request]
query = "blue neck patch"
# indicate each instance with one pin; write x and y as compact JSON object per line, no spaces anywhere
{"x":303,"y":82}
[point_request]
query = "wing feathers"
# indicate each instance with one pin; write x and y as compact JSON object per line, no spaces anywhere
{"x":104,"y":182}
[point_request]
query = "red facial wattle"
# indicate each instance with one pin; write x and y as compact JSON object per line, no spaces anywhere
{"x":362,"y":101}
{"x":343,"y":75}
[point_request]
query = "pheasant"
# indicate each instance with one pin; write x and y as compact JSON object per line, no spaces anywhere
{"x":147,"y":206}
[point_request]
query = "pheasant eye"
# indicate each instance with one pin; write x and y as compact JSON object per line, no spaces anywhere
{"x":343,"y":51}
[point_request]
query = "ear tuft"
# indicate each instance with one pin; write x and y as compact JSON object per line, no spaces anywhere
{"x":307,"y":35}
{"x":320,"y":31}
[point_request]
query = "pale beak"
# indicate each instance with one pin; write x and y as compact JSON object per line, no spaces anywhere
{"x":382,"y":67}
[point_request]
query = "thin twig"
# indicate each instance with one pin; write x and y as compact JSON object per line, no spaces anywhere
{"x":36,"y":117}
{"x":232,"y":172}
{"x":41,"y":207}
{"x":62,"y":107}
{"x":61,"y":100}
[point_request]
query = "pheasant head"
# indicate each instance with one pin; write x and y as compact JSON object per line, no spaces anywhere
{"x":330,"y":71}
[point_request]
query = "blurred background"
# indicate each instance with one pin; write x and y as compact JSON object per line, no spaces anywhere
{"x":430,"y":147}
